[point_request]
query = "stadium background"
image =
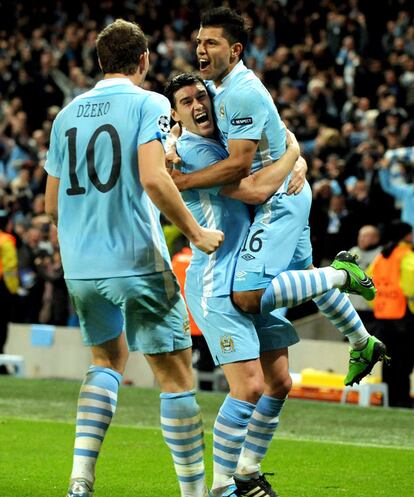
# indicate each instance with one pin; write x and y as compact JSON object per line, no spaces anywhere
{"x":342,"y":76}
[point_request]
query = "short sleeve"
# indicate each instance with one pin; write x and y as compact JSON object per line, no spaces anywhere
{"x":53,"y":165}
{"x":200,"y":155}
{"x":247,"y":115}
{"x":155,"y":119}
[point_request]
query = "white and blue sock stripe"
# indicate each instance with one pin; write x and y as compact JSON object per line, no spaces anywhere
{"x":182,"y":430}
{"x":291,"y":288}
{"x":261,"y":428}
{"x":96,"y":407}
{"x":337,"y":307}
{"x":229,"y":434}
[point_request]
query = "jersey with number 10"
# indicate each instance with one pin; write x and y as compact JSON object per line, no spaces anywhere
{"x":107,"y":226}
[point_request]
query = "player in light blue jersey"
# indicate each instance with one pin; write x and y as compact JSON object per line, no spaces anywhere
{"x":106,"y":184}
{"x":279,"y":236}
{"x":241,"y":344}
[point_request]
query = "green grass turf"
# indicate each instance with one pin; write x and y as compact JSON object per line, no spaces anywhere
{"x":321,"y":450}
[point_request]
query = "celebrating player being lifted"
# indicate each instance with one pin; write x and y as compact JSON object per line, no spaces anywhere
{"x":106,"y":170}
{"x":278,"y":240}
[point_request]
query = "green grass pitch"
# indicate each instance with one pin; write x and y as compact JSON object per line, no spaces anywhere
{"x":321,"y":449}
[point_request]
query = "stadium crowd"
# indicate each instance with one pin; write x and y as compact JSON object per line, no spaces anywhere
{"x":340,"y":72}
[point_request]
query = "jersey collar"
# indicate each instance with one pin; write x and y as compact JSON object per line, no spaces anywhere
{"x":104,"y":83}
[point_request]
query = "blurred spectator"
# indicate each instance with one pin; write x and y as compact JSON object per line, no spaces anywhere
{"x":393,"y":274}
{"x":404,"y":193}
{"x":9,"y":281}
{"x":367,"y":248}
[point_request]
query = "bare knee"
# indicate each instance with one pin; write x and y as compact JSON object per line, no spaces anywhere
{"x":112,"y":355}
{"x":279,"y":387}
{"x":250,"y":390}
{"x":248,"y":301}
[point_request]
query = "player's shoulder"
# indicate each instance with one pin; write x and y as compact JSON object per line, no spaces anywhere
{"x":73,"y":104}
{"x":154,"y":98}
{"x":248,"y":86}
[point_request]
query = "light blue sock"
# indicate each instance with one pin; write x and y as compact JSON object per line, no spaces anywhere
{"x":291,"y":288}
{"x":229,"y":433}
{"x":96,"y":407}
{"x":260,"y":431}
{"x":337,"y":307}
{"x":182,"y":429}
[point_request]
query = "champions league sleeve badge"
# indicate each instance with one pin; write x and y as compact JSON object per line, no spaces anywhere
{"x":164,"y":123}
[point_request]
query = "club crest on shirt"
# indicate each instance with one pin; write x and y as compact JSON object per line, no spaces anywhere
{"x":227,"y":344}
{"x":164,"y":123}
{"x":222,"y":111}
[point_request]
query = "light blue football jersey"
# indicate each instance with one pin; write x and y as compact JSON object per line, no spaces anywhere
{"x":211,"y":275}
{"x":245,"y":111}
{"x":108,"y":226}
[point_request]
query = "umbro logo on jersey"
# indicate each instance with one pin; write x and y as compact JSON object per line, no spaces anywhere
{"x":248,"y":257}
{"x":242,"y":121}
{"x":164,"y":124}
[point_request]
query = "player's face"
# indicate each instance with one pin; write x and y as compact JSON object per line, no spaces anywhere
{"x":193,"y":109}
{"x":215,"y":54}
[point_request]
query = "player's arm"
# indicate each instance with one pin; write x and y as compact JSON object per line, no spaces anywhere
{"x":51,"y":198}
{"x":397,"y":191}
{"x":259,"y":186}
{"x":234,"y":168}
{"x":161,"y":190}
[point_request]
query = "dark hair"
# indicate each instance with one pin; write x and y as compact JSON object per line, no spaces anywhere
{"x":177,"y":82}
{"x":394,"y":233}
{"x":4,"y":219}
{"x":234,"y":27}
{"x":120,"y":46}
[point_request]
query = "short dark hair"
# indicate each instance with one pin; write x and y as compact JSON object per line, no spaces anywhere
{"x":177,"y":82}
{"x":233,"y":24}
{"x":120,"y":46}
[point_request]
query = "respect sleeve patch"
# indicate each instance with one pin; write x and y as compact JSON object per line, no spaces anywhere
{"x":242,"y":121}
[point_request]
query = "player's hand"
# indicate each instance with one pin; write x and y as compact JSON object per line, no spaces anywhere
{"x":291,"y":141}
{"x":384,"y":162}
{"x":179,"y":179}
{"x":298,"y":178}
{"x":171,"y":150}
{"x":208,"y":240}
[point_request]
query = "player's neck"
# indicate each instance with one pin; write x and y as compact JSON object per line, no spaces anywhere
{"x":219,"y":81}
{"x":135,"y":78}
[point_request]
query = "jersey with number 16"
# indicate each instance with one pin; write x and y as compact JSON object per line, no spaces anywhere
{"x":107,"y":226}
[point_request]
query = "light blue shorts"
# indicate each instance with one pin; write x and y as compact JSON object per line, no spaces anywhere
{"x":149,"y":308}
{"x":278,"y":239}
{"x":233,"y":336}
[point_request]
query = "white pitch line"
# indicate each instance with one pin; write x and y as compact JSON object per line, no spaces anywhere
{"x":279,"y":437}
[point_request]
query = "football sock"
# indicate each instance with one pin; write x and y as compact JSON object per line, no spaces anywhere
{"x":96,"y":406}
{"x":291,"y":288}
{"x":182,"y":430}
{"x":260,"y":431}
{"x":229,"y":433}
{"x":337,"y":307}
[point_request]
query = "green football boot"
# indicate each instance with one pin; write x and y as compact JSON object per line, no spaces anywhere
{"x":362,"y":361}
{"x":358,"y":282}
